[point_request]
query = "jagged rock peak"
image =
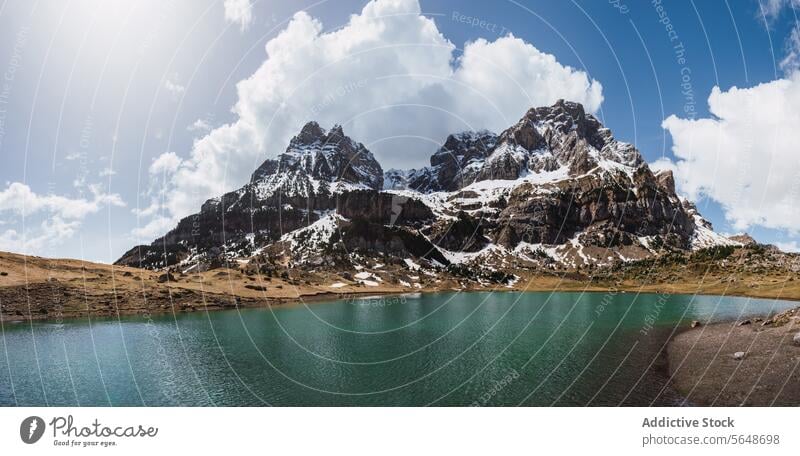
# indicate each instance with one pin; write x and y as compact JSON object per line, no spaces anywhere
{"x":312,"y":133}
{"x":565,"y":128}
{"x":545,"y":140}
{"x":309,"y":134}
{"x":563,"y":114}
{"x":328,"y":156}
{"x":336,"y":133}
{"x":666,"y":181}
{"x":562,"y":117}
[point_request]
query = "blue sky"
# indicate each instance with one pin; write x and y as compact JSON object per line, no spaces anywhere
{"x":104,"y":102}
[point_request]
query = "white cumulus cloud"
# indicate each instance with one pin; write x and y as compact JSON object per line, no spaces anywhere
{"x":239,"y":12}
{"x":745,"y":157}
{"x":60,"y":216}
{"x":20,"y":199}
{"x":153,"y":229}
{"x":507,"y":76}
{"x":52,"y":231}
{"x":167,"y":162}
{"x":388,"y":75}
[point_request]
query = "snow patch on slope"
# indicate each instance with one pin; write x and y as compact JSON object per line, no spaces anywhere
{"x":704,"y":236}
{"x":313,"y":238}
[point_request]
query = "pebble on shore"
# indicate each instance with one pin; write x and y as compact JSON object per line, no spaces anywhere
{"x":739,"y":355}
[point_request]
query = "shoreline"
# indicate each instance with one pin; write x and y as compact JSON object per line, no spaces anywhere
{"x":177,"y":303}
{"x":747,"y":362}
{"x":35,"y":288}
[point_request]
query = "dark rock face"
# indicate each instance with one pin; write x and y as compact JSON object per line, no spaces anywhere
{"x":613,"y":213}
{"x":465,"y":234}
{"x":666,"y":181}
{"x":362,"y":235}
{"x":268,"y":168}
{"x":382,"y":208}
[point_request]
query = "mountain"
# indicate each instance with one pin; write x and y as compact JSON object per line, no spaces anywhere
{"x":320,"y":173}
{"x":555,"y":191}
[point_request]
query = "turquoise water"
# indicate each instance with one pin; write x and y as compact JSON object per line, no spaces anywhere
{"x":502,"y":348}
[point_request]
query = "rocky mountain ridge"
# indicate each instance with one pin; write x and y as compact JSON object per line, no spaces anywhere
{"x":555,"y":191}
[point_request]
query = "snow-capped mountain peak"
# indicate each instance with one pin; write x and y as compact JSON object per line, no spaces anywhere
{"x":317,"y":159}
{"x":543,"y":141}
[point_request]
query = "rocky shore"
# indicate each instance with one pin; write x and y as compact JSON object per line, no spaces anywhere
{"x":751,"y":362}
